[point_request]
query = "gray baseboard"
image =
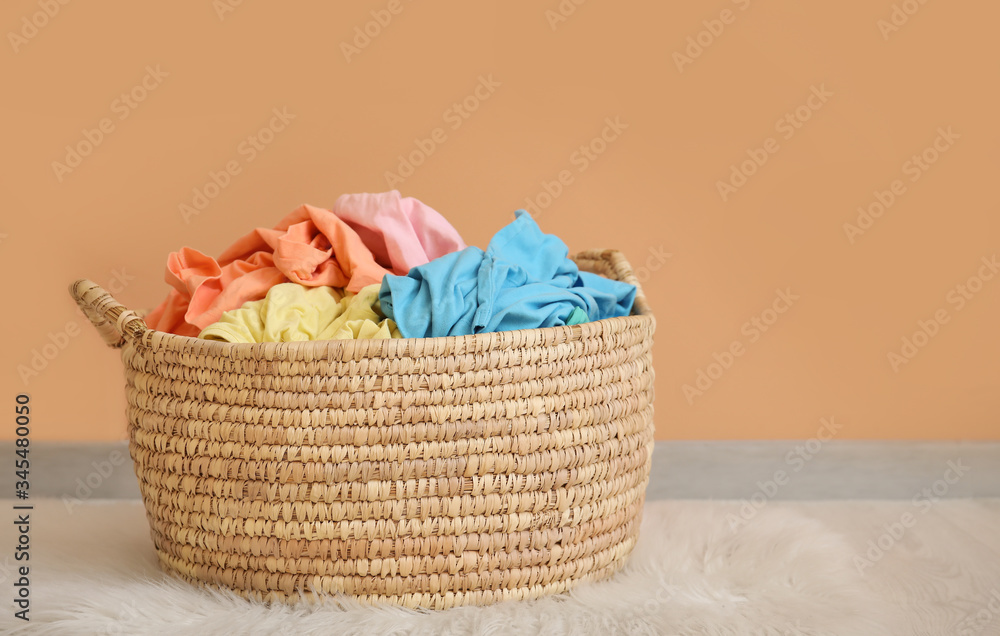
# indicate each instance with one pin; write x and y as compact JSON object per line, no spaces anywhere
{"x":780,"y":470}
{"x":831,"y":470}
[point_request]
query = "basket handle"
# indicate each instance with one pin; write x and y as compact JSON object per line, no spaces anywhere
{"x":114,"y":322}
{"x":613,"y":264}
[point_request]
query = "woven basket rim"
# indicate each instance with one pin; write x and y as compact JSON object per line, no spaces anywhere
{"x":162,"y":341}
{"x":120,"y":325}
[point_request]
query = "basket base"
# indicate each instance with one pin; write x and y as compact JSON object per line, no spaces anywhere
{"x":323,"y":588}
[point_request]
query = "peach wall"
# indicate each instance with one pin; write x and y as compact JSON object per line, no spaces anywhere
{"x":837,"y":102}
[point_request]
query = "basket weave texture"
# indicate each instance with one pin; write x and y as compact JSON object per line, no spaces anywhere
{"x":426,"y":472}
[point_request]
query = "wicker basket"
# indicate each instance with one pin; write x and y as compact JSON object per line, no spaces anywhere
{"x":428,"y":472}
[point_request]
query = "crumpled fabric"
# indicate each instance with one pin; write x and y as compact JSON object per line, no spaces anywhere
{"x":291,"y":313}
{"x":400,"y":232}
{"x":311,"y":246}
{"x":524,"y":280}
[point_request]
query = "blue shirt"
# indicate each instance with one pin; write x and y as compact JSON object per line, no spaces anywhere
{"x":524,"y":280}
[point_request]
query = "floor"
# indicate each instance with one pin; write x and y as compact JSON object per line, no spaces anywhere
{"x":854,"y":538}
{"x":784,"y":568}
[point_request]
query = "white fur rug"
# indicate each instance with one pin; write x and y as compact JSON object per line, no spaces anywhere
{"x":787,"y":571}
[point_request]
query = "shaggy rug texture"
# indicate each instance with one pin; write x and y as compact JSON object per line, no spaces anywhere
{"x":700,"y":568}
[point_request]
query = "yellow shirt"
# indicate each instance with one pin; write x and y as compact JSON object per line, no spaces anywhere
{"x":291,"y":312}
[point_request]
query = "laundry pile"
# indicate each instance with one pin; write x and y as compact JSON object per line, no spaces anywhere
{"x":380,"y":266}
